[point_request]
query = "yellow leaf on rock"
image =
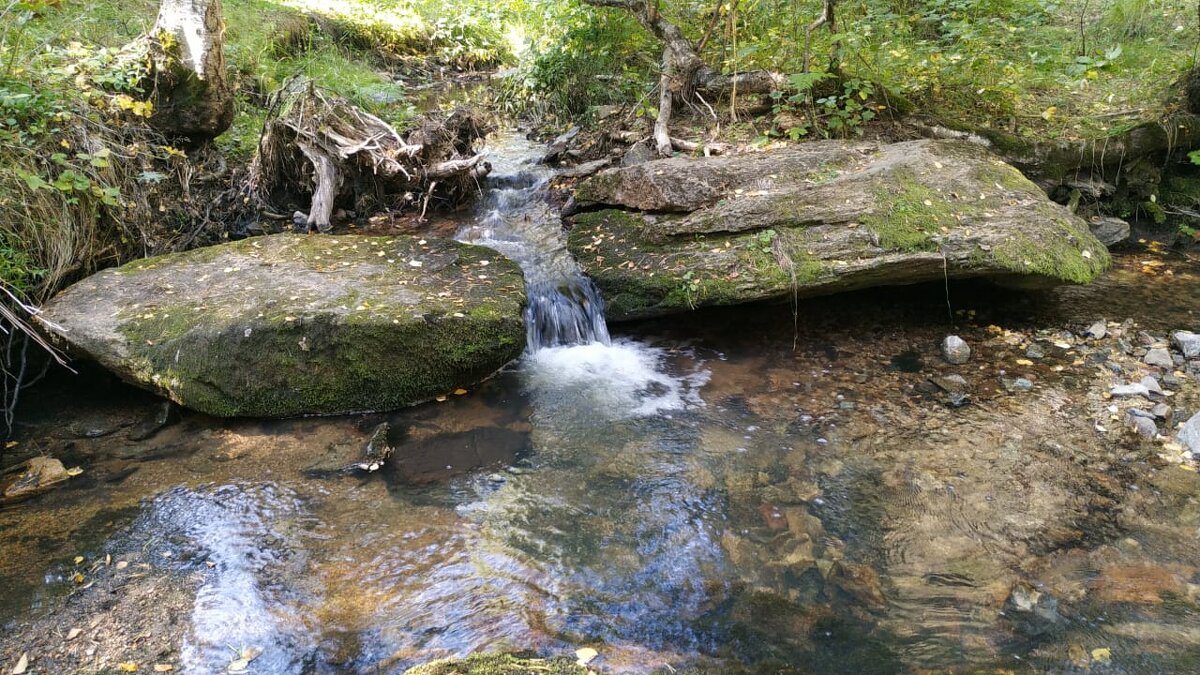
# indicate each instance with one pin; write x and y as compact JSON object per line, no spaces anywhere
{"x":127,"y":667}
{"x":1102,"y":654}
{"x":460,"y":392}
{"x":78,"y":559}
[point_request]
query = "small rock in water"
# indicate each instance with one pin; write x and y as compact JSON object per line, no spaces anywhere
{"x":1032,"y":612}
{"x":1098,"y":330}
{"x":1159,"y":358}
{"x":165,"y":415}
{"x":1187,"y":342}
{"x":1152,"y":386}
{"x":1128,"y":390}
{"x":377,"y":450}
{"x":1017,"y":384}
{"x":956,"y":350}
{"x":1109,"y":230}
{"x":1143,"y":425}
{"x":956,"y":389}
{"x":1189,"y":435}
{"x":1035,"y":352}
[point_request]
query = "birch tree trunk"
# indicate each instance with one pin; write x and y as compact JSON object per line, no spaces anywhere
{"x":192,"y":96}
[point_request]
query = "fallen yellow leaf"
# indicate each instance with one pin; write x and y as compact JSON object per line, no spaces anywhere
{"x":1102,"y":654}
{"x":163,"y":667}
{"x":584,"y":656}
{"x":78,"y":559}
{"x":127,"y":667}
{"x":74,"y":633}
{"x":460,"y":392}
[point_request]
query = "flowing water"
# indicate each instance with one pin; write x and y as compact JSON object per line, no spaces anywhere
{"x":738,"y":490}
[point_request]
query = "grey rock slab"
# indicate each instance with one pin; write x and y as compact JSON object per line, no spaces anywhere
{"x":1187,"y":343}
{"x":1189,"y":435}
{"x":673,"y":235}
{"x":1159,"y":358}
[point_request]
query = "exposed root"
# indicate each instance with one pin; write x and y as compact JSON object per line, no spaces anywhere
{"x":328,"y":152}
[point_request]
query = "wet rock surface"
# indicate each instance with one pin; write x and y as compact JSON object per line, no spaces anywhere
{"x":287,"y":325}
{"x":671,"y":235}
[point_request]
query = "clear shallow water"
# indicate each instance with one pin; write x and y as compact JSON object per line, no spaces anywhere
{"x":716,"y":491}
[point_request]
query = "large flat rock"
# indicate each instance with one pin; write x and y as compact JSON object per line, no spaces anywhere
{"x":290,"y":325}
{"x":820,"y":218}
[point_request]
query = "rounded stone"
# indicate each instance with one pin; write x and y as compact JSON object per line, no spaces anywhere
{"x":956,"y":350}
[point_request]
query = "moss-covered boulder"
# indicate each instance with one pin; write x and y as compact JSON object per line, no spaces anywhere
{"x":292,"y":325}
{"x":821,"y":218}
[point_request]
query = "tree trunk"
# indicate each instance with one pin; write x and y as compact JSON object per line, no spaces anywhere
{"x":684,"y":73}
{"x":192,"y":96}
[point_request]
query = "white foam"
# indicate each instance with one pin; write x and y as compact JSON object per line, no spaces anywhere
{"x":622,"y":380}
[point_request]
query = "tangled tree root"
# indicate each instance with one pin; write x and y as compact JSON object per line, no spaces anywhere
{"x":324,"y":150}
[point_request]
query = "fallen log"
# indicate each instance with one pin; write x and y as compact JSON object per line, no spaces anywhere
{"x":325,"y":151}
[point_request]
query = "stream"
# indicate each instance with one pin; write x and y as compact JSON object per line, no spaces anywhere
{"x":754,"y":489}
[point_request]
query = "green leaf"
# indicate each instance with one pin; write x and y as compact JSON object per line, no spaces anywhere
{"x":34,"y":181}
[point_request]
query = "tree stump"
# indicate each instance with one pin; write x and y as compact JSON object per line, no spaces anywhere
{"x":328,"y":151}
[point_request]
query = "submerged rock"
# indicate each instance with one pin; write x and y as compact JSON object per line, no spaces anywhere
{"x":289,"y":324}
{"x":956,"y":350}
{"x":1189,"y":435}
{"x":1110,"y":231}
{"x":816,"y":219}
{"x":1159,"y":358}
{"x":1033,"y":612}
{"x":1187,"y":342}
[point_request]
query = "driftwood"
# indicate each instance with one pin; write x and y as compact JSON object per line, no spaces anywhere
{"x":324,"y":150}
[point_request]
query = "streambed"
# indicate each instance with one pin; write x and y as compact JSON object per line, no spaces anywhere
{"x":763,"y":489}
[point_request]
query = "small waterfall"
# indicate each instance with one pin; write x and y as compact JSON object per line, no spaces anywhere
{"x":515,"y":218}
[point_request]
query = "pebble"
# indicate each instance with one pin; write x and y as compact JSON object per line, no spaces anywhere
{"x":1022,"y":384}
{"x":1152,"y":386}
{"x":1160,"y":358}
{"x":1127,"y":390}
{"x":1162,"y":411}
{"x":1189,"y":435}
{"x":956,"y":350}
{"x":1035,"y":352}
{"x":1098,"y":330}
{"x":1187,"y":342}
{"x":1144,"y":426}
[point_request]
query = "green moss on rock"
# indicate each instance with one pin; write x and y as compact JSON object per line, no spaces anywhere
{"x":640,"y":276}
{"x":909,"y":214}
{"x":291,"y":325}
